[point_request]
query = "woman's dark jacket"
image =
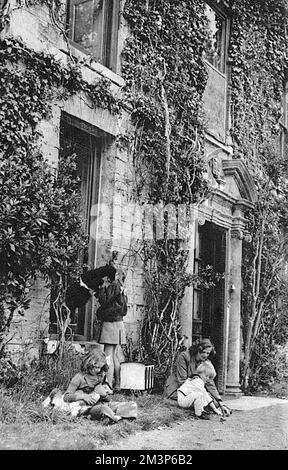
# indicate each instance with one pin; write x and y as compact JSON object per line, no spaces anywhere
{"x":113,"y":303}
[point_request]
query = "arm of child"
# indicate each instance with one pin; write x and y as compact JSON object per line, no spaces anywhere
{"x":215,"y":409}
{"x":212,"y":389}
{"x":74,"y":392}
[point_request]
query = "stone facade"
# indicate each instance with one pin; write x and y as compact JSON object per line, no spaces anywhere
{"x":115,"y":226}
{"x":110,"y":230}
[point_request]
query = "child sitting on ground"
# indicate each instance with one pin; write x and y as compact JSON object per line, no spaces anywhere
{"x":192,"y":393}
{"x":88,"y":393}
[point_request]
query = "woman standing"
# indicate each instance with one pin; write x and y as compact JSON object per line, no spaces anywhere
{"x":113,"y":307}
{"x":185,"y":367}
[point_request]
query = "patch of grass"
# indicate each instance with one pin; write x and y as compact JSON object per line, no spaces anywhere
{"x":40,"y":378}
{"x":27,"y":425}
{"x":22,"y":410}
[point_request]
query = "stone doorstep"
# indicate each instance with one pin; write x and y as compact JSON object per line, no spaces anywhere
{"x":246,"y":403}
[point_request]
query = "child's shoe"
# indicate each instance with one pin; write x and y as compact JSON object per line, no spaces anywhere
{"x":208,"y":410}
{"x":204,"y":415}
{"x":116,"y":418}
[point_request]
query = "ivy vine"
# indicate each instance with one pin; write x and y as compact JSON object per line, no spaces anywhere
{"x":40,"y":226}
{"x":258,"y":76}
{"x":165,"y":77}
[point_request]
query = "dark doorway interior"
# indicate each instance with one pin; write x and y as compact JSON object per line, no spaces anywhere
{"x":208,"y":314}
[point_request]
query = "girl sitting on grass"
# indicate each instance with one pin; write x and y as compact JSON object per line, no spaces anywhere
{"x":88,"y":393}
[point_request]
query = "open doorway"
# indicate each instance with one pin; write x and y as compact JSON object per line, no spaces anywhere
{"x":209,"y":303}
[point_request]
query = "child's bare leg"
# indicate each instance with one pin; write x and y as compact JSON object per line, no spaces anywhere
{"x":99,"y":411}
{"x":109,"y":351}
{"x":199,"y":403}
{"x":116,"y":368}
{"x":106,"y":411}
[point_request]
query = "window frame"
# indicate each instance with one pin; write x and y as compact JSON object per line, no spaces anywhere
{"x":224,"y":14}
{"x":109,"y":33}
{"x":219,"y":118}
{"x":80,"y":328}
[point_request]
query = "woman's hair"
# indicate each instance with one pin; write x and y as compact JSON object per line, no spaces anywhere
{"x":207,"y":368}
{"x":95,"y":357}
{"x":200,"y":346}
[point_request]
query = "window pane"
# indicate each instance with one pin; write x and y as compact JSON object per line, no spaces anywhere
{"x":87,"y":31}
{"x":196,"y":305}
{"x":93,"y":25}
{"x":83,"y":17}
{"x":107,"y":32}
{"x":74,"y":140}
{"x":215,"y":46}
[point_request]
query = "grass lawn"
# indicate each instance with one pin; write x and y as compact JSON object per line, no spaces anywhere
{"x":29,"y":426}
{"x":26,"y":425}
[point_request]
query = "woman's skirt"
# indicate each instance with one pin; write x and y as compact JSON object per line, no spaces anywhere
{"x":112,"y":333}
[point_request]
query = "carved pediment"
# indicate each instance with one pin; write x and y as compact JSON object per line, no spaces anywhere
{"x":236,"y":169}
{"x":232,"y":175}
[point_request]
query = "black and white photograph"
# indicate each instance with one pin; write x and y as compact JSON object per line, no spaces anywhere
{"x":143,"y":231}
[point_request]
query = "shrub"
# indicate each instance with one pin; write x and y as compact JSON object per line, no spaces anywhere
{"x":269,"y":365}
{"x":9,"y":373}
{"x":37,"y":380}
{"x":49,"y":373}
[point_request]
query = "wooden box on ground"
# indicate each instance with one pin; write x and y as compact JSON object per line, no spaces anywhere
{"x":136,"y":376}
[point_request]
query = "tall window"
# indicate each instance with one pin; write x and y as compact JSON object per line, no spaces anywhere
{"x":215,"y":47}
{"x":76,"y":137}
{"x":215,"y":94}
{"x":93,"y":27}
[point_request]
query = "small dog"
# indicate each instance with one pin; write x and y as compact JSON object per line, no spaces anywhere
{"x":55,"y":399}
{"x":79,"y":408}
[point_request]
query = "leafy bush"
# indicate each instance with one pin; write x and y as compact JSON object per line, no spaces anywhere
{"x":268,"y":365}
{"x":40,"y":225}
{"x":37,"y":380}
{"x":9,"y":374}
{"x":49,"y":373}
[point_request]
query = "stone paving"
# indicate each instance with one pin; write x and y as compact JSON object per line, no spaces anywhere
{"x":245,"y":403}
{"x":256,"y":423}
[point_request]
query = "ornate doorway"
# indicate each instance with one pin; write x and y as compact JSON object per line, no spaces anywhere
{"x":209,"y":302}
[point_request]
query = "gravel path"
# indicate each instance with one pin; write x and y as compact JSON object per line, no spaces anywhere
{"x":263,"y":428}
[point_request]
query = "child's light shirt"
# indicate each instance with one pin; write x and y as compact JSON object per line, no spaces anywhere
{"x":193,"y":384}
{"x":193,"y":393}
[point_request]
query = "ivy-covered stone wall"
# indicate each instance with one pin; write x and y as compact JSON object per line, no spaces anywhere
{"x":39,"y":80}
{"x":258,"y":60}
{"x":155,"y":109}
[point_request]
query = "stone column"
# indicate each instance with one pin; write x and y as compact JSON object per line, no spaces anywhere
{"x":233,"y":362}
{"x":186,"y":308}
